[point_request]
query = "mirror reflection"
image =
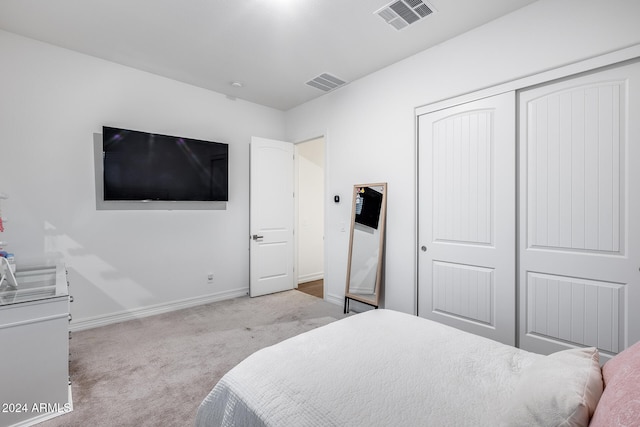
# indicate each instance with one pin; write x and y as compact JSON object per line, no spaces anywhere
{"x":366,"y":244}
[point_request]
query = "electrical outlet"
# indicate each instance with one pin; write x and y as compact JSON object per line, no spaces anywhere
{"x":210,"y":278}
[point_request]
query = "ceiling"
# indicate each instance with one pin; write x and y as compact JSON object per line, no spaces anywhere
{"x":271,"y":47}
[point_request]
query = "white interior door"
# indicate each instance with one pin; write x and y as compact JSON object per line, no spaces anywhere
{"x":579,"y":209}
{"x":271,"y":216}
{"x":466,"y":263}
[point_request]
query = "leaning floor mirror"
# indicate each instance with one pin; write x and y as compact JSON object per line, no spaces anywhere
{"x":366,"y":244}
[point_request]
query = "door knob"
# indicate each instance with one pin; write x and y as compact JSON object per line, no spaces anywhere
{"x":256,"y":237}
{"x":423,"y":248}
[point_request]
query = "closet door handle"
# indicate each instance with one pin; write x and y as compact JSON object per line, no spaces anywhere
{"x":256,"y":237}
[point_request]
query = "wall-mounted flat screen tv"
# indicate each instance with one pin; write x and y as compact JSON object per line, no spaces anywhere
{"x":144,"y":166}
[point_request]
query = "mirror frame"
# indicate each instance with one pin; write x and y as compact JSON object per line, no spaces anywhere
{"x":374,"y":301}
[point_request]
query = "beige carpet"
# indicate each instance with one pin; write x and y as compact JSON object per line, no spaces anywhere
{"x":155,"y":371}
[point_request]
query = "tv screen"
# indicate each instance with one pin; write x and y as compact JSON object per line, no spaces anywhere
{"x":145,"y":166}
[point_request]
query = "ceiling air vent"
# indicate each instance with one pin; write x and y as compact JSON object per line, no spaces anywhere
{"x":326,"y":82}
{"x":402,"y":13}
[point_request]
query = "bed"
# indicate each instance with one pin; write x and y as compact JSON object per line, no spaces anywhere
{"x":385,"y":368}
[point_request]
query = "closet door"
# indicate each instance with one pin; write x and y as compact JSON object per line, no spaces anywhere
{"x":579,"y":204}
{"x":466,"y":261}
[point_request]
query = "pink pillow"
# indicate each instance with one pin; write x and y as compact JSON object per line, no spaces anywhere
{"x":620,"y":402}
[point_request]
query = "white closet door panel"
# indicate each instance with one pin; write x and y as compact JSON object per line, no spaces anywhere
{"x":467,"y":217}
{"x":576,"y":310}
{"x":574,"y":167}
{"x":464,"y":291}
{"x":579,"y":193}
{"x":462,"y":178}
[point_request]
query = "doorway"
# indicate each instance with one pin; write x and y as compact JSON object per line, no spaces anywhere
{"x":309,"y":207}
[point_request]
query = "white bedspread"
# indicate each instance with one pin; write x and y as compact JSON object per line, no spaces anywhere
{"x":378,"y":368}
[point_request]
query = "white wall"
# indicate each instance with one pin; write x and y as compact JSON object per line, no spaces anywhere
{"x":310,"y":201}
{"x":372,"y":119}
{"x":52,"y":101}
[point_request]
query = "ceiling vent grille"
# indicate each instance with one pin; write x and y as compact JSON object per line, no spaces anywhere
{"x":326,"y":82}
{"x":402,"y":13}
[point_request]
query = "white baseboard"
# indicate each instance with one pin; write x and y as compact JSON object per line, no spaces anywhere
{"x":138,"y":313}
{"x":334,"y":299}
{"x":304,"y":278}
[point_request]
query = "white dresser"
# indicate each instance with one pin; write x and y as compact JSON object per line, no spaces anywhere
{"x":34,"y":345}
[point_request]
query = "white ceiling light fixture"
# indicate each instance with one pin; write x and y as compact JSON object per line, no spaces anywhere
{"x":402,"y":13}
{"x":236,"y":84}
